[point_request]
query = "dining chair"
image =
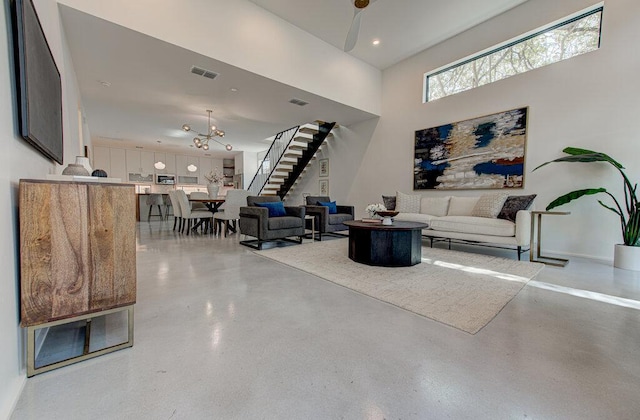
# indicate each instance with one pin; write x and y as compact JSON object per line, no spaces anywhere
{"x":154,"y":200}
{"x":168,"y":206}
{"x":188,"y":214}
{"x":199,"y":196}
{"x":177,"y":213}
{"x":234,"y":200}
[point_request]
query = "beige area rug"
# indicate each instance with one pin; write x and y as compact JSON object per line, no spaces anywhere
{"x":460,"y":289}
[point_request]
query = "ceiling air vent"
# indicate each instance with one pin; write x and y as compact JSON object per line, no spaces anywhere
{"x":203,"y":72}
{"x":298,"y":102}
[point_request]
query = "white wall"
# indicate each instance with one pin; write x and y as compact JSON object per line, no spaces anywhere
{"x":19,"y":160}
{"x":235,"y":32}
{"x":590,"y":101}
{"x":345,"y":151}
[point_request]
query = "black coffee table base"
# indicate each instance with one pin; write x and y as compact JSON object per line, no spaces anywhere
{"x":385,"y":247}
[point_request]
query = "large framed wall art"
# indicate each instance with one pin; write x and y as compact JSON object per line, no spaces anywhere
{"x":481,"y":153}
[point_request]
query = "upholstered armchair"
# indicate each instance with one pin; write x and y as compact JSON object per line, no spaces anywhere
{"x":268,"y":219}
{"x":328,"y":218}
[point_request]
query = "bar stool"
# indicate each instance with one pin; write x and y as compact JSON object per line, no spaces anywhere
{"x":155,"y":200}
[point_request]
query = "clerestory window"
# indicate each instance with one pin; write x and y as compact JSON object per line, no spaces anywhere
{"x":570,"y":37}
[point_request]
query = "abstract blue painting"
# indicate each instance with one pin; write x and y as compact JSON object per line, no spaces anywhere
{"x":482,"y":153}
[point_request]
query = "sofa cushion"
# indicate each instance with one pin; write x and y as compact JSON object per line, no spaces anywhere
{"x":331,"y":204}
{"x":514,"y":204}
{"x":489,"y":205}
{"x":407,"y":203}
{"x":414,"y":217}
{"x":312,"y":200}
{"x":435,"y":206}
{"x":276,"y":209}
{"x":389,"y":202}
{"x":473,"y":225}
{"x":284,"y":222}
{"x":339,"y":218}
{"x":461,"y":206}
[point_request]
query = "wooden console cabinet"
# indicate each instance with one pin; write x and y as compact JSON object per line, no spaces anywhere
{"x":77,"y":253}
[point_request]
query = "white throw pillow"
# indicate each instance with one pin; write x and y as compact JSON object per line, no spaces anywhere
{"x":406,"y":203}
{"x":461,"y":206}
{"x":435,"y":206}
{"x":489,"y":205}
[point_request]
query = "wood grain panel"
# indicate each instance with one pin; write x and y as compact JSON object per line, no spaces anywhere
{"x":112,"y":235}
{"x":77,"y":249}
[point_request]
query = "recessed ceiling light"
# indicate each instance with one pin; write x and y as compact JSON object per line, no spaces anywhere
{"x":104,"y":83}
{"x":233,"y":89}
{"x":158,"y":141}
{"x":376,"y":42}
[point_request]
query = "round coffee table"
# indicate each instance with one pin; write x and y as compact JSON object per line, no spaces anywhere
{"x":396,"y":245}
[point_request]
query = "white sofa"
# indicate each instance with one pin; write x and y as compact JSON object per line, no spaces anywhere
{"x":457,"y":219}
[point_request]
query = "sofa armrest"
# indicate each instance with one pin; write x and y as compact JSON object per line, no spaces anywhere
{"x":346,"y":210}
{"x":523,"y":227}
{"x":253,"y":221}
{"x":295,"y":211}
{"x":322,"y":212}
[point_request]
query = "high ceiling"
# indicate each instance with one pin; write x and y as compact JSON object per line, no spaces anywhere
{"x":139,"y":90}
{"x":404,"y":27}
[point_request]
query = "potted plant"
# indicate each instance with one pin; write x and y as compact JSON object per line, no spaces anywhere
{"x":215,"y":178}
{"x":627,"y":255}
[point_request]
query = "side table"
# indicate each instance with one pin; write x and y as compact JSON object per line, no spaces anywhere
{"x":537,"y":239}
{"x":313,"y":226}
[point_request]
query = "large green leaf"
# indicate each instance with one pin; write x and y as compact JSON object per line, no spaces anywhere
{"x":576,"y":151}
{"x":593,"y":157}
{"x":574,"y":195}
{"x":577,"y":154}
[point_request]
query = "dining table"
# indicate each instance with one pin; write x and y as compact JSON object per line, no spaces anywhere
{"x":213,"y":204}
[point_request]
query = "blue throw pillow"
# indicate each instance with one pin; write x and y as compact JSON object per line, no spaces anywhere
{"x":333,"y":209}
{"x":276,"y":208}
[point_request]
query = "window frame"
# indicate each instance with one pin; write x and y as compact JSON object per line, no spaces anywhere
{"x":597,"y":8}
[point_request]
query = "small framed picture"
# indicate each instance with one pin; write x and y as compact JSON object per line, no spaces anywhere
{"x":324,"y":187}
{"x":324,"y":167}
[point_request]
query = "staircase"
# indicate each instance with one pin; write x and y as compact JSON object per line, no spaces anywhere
{"x":287,"y":159}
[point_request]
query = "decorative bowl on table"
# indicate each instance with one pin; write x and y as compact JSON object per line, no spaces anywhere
{"x":387,"y":215}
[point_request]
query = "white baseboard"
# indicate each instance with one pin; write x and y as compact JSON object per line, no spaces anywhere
{"x":14,"y":390}
{"x":585,"y":256}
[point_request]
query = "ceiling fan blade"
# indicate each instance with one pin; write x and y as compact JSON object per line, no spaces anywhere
{"x":352,"y":36}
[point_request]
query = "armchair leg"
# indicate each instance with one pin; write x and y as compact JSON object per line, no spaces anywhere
{"x":254,"y":243}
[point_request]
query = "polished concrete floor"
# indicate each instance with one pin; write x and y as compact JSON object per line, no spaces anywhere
{"x":221,"y":333}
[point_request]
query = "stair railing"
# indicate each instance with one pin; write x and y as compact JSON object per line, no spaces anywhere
{"x":279,"y":145}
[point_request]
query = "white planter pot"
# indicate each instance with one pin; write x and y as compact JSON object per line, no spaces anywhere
{"x":212,"y":190}
{"x":627,"y":257}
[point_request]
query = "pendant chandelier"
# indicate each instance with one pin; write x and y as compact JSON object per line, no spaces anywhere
{"x":202,"y":141}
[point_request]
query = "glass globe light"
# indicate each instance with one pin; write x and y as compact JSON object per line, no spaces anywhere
{"x":228,"y":147}
{"x":205,"y":146}
{"x":196,"y":140}
{"x":186,"y":127}
{"x":214,"y":128}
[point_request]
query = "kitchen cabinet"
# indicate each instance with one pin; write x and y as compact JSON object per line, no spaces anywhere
{"x":118,"y":164}
{"x":140,"y":161}
{"x":184,"y":175}
{"x":171,"y":164}
{"x":139,"y":165}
